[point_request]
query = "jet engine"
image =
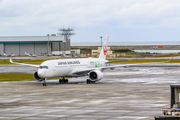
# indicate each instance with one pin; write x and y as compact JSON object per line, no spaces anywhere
{"x":95,"y":75}
{"x":37,"y":78}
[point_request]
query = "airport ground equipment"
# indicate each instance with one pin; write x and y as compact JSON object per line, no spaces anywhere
{"x":172,"y":113}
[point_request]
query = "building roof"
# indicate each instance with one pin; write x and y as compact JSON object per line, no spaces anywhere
{"x":31,"y":39}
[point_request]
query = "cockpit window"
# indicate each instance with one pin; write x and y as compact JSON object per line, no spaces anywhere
{"x":43,"y":67}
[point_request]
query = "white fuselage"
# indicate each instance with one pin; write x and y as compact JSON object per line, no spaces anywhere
{"x":65,"y":67}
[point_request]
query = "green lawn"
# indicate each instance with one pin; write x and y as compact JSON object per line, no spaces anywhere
{"x":27,"y":61}
{"x":39,"y":61}
{"x":20,"y":77}
{"x":15,"y":76}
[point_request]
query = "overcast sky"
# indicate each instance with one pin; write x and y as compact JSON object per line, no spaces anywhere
{"x":122,"y":20}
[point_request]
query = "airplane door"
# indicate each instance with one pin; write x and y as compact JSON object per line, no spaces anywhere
{"x":54,"y":67}
{"x":70,"y":67}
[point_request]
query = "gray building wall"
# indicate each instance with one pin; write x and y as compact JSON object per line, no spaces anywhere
{"x":32,"y":44}
{"x":1,"y":48}
{"x":21,"y":48}
{"x":11,"y":48}
{"x":55,"y":46}
{"x":27,"y":47}
{"x":40,"y":48}
{"x":67,"y":45}
{"x":61,"y":46}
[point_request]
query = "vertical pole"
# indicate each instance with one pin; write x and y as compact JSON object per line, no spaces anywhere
{"x":101,"y":41}
{"x":19,"y":50}
{"x":34,"y":49}
{"x":64,"y":49}
{"x":48,"y":44}
{"x":4,"y":48}
{"x":101,"y":44}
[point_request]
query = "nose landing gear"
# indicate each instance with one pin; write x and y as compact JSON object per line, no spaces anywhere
{"x":44,"y":83}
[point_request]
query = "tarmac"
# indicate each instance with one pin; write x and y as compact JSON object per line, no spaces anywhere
{"x":136,"y":93}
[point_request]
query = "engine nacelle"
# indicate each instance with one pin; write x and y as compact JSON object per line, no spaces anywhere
{"x":37,"y":78}
{"x":95,"y":75}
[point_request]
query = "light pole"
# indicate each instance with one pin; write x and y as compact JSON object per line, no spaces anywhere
{"x":48,"y":43}
{"x":101,"y":41}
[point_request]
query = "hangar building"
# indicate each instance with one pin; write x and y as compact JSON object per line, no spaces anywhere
{"x":39,"y":45}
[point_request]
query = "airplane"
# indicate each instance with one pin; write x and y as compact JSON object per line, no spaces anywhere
{"x":92,"y":67}
{"x":9,"y":55}
{"x":30,"y":55}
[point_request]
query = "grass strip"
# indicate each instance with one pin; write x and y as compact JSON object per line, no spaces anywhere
{"x":15,"y":76}
{"x":21,"y":77}
{"x":27,"y":61}
{"x":39,"y":61}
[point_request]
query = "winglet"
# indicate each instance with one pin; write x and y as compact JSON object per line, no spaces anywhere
{"x":170,"y":59}
{"x":11,"y":59}
{"x":22,"y":63}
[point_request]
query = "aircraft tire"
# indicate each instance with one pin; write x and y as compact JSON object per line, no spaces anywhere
{"x":88,"y":81}
{"x":44,"y":84}
{"x":60,"y":81}
{"x":63,"y":81}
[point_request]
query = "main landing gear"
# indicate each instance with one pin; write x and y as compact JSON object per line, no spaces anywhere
{"x":63,"y":81}
{"x":88,"y":81}
{"x":44,"y":83}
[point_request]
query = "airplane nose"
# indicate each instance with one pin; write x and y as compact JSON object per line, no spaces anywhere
{"x":41,"y":73}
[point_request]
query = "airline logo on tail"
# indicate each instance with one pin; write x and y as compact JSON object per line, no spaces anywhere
{"x":105,"y":49}
{"x":11,"y":59}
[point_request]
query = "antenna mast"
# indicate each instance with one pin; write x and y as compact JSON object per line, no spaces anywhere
{"x":67,"y":33}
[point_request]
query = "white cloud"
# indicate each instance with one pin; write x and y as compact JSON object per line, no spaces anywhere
{"x":45,"y":14}
{"x":149,"y":13}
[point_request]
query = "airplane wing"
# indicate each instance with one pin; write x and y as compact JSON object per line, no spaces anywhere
{"x":112,"y":67}
{"x":87,"y":70}
{"x":83,"y":71}
{"x":151,"y":64}
{"x":130,"y":65}
{"x":22,"y":63}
